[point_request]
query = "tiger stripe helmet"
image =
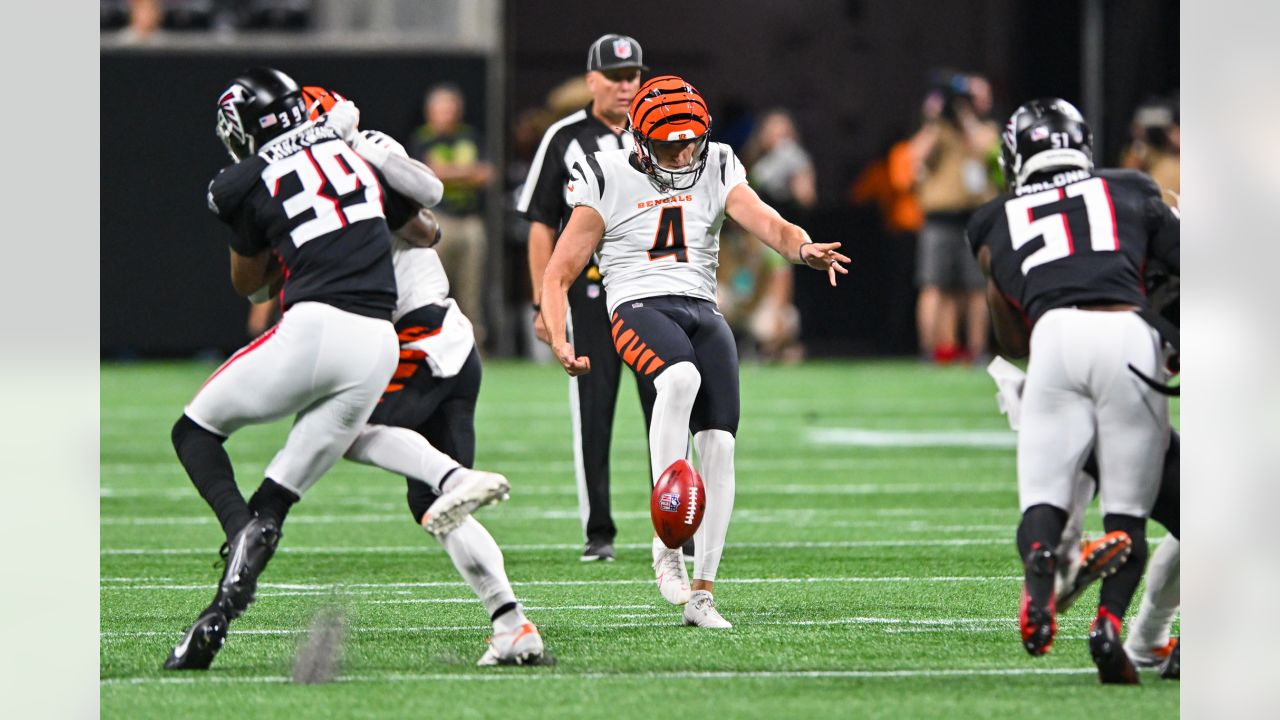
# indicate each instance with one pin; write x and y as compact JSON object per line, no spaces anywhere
{"x":667,"y":109}
{"x":319,"y":100}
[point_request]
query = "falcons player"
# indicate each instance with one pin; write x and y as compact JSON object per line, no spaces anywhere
{"x":310,"y":217}
{"x":1063,"y":251}
{"x":655,"y":213}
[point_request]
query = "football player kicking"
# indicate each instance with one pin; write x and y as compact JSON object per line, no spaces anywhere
{"x":655,"y":213}
{"x":1063,"y":251}
{"x":300,"y":196}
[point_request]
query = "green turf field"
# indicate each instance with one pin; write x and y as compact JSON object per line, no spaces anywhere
{"x":866,"y":576}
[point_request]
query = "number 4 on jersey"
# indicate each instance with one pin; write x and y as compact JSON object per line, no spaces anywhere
{"x":670,"y":237}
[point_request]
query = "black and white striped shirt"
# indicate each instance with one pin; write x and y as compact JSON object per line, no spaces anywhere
{"x":544,"y":198}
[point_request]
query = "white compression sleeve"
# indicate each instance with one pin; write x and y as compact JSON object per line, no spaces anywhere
{"x":715,"y":458}
{"x":404,"y":174}
{"x":677,"y":388}
{"x":1150,"y":628}
{"x":478,"y":558}
{"x":401,"y":451}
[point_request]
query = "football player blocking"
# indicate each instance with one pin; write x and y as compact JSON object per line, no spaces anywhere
{"x":350,"y":271}
{"x":1063,"y":252}
{"x":655,"y":214}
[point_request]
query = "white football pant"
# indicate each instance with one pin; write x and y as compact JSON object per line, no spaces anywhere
{"x":326,"y":365}
{"x":1080,"y":395}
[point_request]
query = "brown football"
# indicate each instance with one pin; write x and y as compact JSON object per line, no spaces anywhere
{"x":677,"y":504}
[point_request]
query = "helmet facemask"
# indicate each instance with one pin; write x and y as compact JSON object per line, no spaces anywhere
{"x":672,"y":178}
{"x":230,"y":127}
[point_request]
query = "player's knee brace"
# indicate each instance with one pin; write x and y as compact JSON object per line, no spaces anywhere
{"x":681,"y":380}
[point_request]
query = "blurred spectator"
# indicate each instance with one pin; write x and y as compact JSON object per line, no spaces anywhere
{"x":757,"y":282}
{"x":453,"y":150}
{"x":754,"y":291}
{"x":889,"y":182}
{"x":145,"y":17}
{"x":958,"y":144}
{"x":567,"y":97}
{"x":1156,"y":144}
{"x":779,"y":168}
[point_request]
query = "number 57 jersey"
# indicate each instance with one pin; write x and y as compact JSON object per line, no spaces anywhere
{"x":656,"y":241}
{"x":1077,"y":238}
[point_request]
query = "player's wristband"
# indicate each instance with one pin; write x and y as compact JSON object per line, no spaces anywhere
{"x":800,"y":252}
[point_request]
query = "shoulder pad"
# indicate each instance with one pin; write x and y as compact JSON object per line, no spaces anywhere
{"x":1134,"y":178}
{"x":230,"y":186}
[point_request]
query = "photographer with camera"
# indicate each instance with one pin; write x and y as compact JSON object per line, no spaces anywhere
{"x":957,"y":147}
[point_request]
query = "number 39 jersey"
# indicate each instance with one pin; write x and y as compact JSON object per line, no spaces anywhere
{"x":656,"y":242}
{"x":1076,"y":238}
{"x":310,"y":199}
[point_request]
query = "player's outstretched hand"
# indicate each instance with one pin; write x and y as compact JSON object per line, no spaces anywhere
{"x":573,"y":364}
{"x":823,"y":256}
{"x":345,"y":118}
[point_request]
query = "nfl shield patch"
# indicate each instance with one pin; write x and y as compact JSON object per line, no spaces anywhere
{"x":669,"y":502}
{"x":622,"y":49}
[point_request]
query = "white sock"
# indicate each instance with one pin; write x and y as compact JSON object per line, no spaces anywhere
{"x":1150,"y":628}
{"x":401,"y":451}
{"x":677,"y":388}
{"x":715,"y":458}
{"x":479,"y":560}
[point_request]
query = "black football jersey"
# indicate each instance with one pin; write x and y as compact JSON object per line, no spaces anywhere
{"x":324,"y":213}
{"x":1076,"y":238}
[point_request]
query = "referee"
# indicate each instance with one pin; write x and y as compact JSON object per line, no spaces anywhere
{"x":614,"y":64}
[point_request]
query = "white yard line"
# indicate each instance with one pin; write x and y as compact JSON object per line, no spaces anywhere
{"x":758,"y":488}
{"x":543,"y":547}
{"x":860,"y":437}
{"x":672,"y":614}
{"x":134,"y":584}
{"x":538,"y":675}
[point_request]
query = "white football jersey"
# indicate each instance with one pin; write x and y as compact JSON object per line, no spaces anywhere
{"x":421,"y":280}
{"x":656,"y":242}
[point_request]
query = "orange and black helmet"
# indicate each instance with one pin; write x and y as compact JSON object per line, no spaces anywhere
{"x":667,"y":109}
{"x":319,"y":100}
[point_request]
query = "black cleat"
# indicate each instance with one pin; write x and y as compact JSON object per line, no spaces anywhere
{"x":1114,"y":665}
{"x":250,"y":551}
{"x":598,"y":550}
{"x":1037,"y":615}
{"x":201,"y":643}
{"x":1172,"y":666}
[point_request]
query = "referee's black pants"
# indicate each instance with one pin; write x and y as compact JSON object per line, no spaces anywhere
{"x":592,"y":398}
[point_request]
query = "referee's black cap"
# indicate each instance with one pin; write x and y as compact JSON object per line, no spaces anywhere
{"x":615,"y":51}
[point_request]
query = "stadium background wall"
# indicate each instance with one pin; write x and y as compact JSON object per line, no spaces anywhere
{"x":165,"y":285}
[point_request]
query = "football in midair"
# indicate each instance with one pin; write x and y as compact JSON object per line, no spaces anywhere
{"x":678,"y":502}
